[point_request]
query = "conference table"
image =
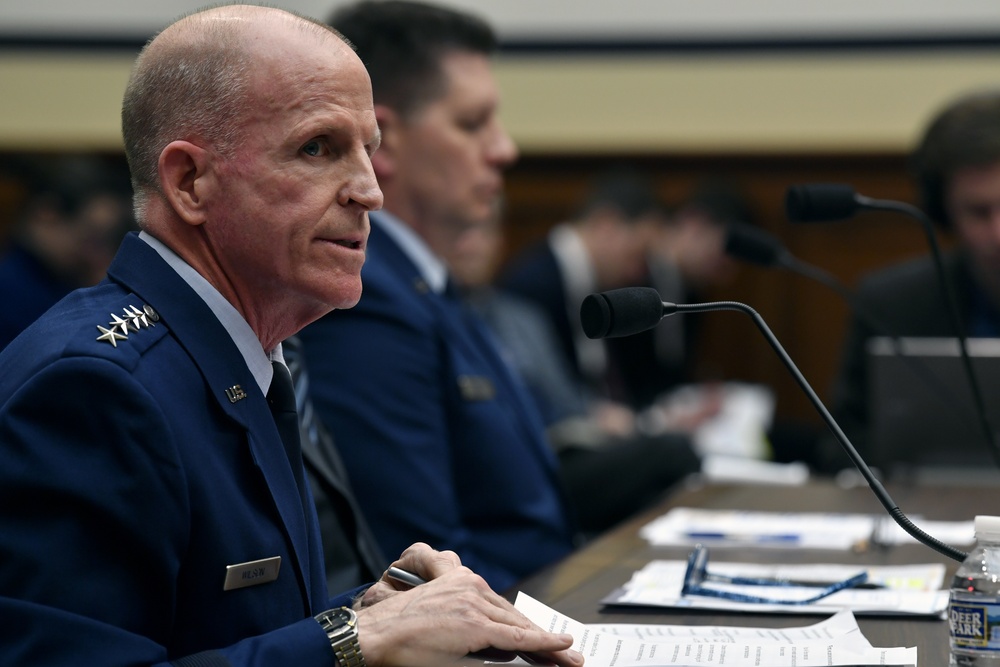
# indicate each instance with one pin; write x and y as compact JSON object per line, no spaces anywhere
{"x":575,"y":585}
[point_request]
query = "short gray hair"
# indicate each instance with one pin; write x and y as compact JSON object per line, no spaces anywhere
{"x":196,"y":87}
{"x":194,"y":81}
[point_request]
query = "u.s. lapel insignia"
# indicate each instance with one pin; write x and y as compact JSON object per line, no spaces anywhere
{"x":235,"y":393}
{"x":149,"y":312}
{"x":121,"y":327}
{"x":476,"y":388}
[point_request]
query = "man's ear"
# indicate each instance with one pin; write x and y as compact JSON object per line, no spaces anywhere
{"x":186,"y":177}
{"x":390,"y":126}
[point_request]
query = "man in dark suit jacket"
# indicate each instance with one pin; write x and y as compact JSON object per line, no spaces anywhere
{"x":957,"y":166}
{"x":151,"y":508}
{"x":603,"y":247}
{"x":631,"y":470}
{"x":410,"y":376}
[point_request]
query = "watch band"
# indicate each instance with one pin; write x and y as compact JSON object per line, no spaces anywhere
{"x":341,"y":629}
{"x":348,"y":654}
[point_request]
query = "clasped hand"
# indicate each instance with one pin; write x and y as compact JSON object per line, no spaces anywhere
{"x":451,"y":616}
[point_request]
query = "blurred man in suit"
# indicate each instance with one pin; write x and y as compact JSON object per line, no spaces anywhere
{"x":631,"y":469}
{"x":441,"y":440}
{"x":602,"y":247}
{"x":957,"y":168}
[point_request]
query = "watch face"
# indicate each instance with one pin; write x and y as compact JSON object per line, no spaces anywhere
{"x":339,"y":622}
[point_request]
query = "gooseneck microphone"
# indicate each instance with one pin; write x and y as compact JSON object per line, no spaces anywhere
{"x":626,"y":311}
{"x":756,"y":246}
{"x":826,"y":202}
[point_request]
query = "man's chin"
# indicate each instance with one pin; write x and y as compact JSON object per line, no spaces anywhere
{"x":348,"y":299}
{"x":340,"y":294}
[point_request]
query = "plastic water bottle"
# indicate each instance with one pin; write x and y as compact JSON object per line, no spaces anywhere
{"x":974,"y":606}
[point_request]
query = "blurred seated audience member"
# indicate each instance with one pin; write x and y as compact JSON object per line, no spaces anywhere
{"x":688,"y":263}
{"x":65,"y":236}
{"x":603,"y":247}
{"x":597,"y":442}
{"x":686,"y":258}
{"x":625,"y":237}
{"x":956,"y":166}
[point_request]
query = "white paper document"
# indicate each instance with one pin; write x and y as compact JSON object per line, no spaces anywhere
{"x":906,"y":589}
{"x":683,"y":526}
{"x":835,"y":642}
{"x":841,"y":628}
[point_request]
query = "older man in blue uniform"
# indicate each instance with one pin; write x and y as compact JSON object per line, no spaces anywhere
{"x":152,"y":508}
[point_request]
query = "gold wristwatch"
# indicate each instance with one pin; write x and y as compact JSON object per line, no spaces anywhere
{"x":341,"y":627}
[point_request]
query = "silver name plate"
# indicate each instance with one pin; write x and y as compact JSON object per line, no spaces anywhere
{"x":253,"y":573}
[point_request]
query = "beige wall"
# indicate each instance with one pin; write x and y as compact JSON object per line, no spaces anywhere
{"x":650,"y":103}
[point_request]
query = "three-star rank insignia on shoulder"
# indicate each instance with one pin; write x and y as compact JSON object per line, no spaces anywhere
{"x":131,"y":320}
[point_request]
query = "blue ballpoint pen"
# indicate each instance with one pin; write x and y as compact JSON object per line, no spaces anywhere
{"x":743,"y":537}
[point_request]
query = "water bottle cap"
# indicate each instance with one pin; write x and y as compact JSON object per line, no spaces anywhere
{"x":988,"y":528}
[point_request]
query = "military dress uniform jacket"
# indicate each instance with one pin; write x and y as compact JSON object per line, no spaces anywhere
{"x":442,"y":442}
{"x":138,"y":460}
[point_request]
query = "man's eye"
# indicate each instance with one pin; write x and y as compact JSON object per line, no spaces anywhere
{"x":472,"y":125}
{"x":313,"y":149}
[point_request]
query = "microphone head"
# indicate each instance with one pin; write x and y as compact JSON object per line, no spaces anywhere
{"x":754,"y":245}
{"x":820,"y":202}
{"x":621,"y":312}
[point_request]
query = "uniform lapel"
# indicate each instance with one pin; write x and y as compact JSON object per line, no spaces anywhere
{"x":196,"y":328}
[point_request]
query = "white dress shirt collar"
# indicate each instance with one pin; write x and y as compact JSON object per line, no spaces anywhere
{"x":431,"y":268}
{"x":258,"y":361}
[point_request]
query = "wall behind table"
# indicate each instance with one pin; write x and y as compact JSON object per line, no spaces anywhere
{"x":764,"y":118}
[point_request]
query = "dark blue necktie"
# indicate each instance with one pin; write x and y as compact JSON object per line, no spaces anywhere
{"x":281,"y":400}
{"x":351,"y":553}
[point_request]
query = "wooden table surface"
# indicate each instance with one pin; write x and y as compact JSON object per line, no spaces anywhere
{"x":575,"y":585}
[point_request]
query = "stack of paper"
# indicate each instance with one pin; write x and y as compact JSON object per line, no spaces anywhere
{"x":813,"y":530}
{"x":837,"y":641}
{"x":904,"y":589}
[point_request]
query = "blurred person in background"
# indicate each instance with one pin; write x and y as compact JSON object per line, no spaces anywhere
{"x":686,"y":258}
{"x":631,"y":469}
{"x":956,"y":166}
{"x":64,"y":237}
{"x":645,"y":385}
{"x":602,"y":247}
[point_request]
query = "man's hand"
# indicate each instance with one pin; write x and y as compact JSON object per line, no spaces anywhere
{"x":454,"y":614}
